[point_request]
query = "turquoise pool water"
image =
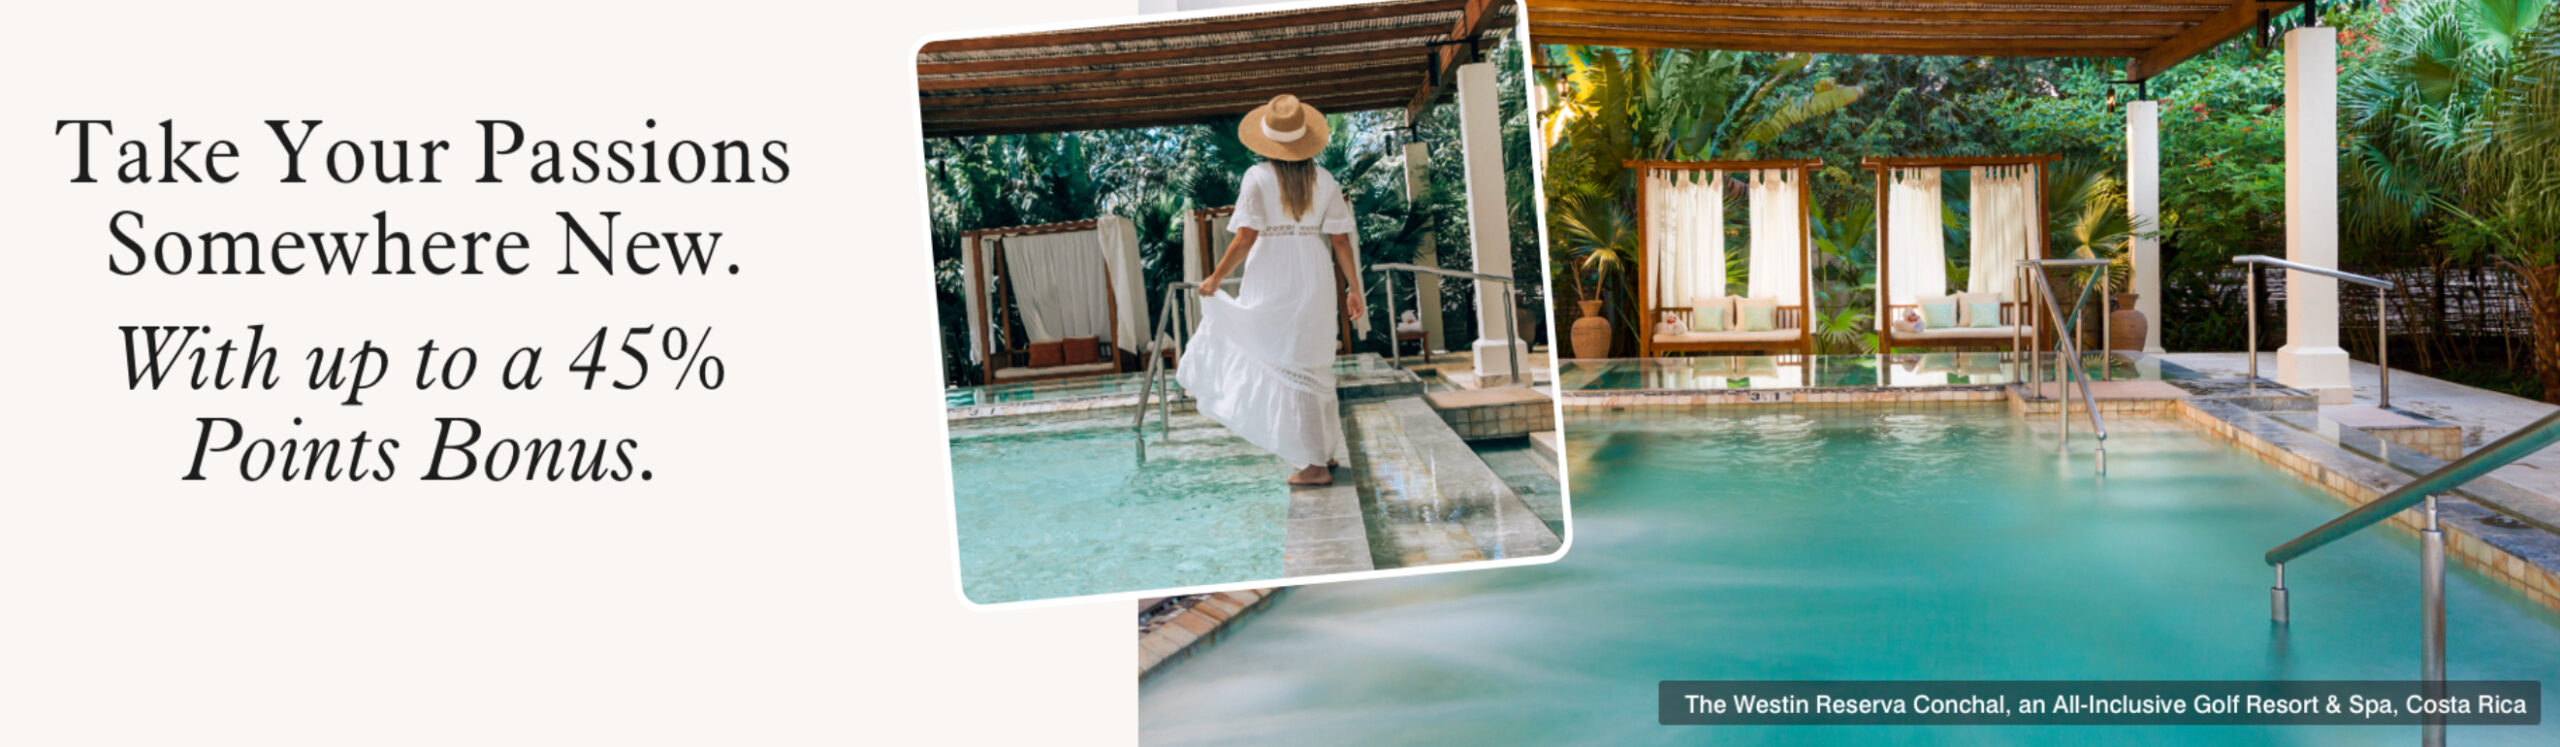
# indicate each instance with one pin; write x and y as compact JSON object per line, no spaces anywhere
{"x":1775,"y":543}
{"x":1832,"y":371}
{"x":1056,"y":505}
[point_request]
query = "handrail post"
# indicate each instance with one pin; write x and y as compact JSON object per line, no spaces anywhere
{"x":2431,"y":618}
{"x":1511,"y":329}
{"x":2382,"y":340}
{"x":1395,"y":344}
{"x":2017,"y":325}
{"x":2282,"y":610}
{"x":2106,"y":326}
{"x":2251,"y":270}
{"x":2035,"y":341}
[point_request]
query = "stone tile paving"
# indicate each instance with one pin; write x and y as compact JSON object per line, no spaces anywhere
{"x":2483,"y":415}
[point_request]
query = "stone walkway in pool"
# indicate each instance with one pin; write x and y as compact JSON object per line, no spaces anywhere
{"x":1414,"y":493}
{"x":2484,"y":415}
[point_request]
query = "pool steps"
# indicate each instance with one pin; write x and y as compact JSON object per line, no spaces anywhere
{"x":1428,"y":498}
{"x":2515,"y":546}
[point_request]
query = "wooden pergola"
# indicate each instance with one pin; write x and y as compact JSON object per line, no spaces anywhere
{"x":1345,"y":58}
{"x":2151,"y":36}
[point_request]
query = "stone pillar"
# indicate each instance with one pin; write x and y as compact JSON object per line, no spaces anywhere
{"x":1488,"y":218}
{"x":1426,"y":286}
{"x":2311,"y":359}
{"x":2142,"y":201}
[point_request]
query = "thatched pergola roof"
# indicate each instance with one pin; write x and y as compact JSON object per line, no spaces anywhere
{"x":1340,"y":58}
{"x":2153,"y":36}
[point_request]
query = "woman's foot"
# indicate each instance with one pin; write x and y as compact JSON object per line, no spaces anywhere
{"x":1312,"y":476}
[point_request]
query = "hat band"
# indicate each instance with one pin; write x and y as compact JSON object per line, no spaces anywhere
{"x":1279,"y":136}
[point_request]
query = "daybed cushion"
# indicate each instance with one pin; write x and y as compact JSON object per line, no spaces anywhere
{"x":1048,"y":354}
{"x":1964,"y":308}
{"x":1744,"y":315}
{"x":1720,"y":308}
{"x":1082,"y":350}
{"x":1938,"y":312}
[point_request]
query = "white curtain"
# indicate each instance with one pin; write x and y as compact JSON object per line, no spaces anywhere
{"x":1058,"y":284}
{"x":1918,"y":247}
{"x":1194,"y":268}
{"x":1117,"y":238}
{"x":2004,"y":226}
{"x":1777,"y":237}
{"x":1685,"y":253}
{"x":969,"y":291}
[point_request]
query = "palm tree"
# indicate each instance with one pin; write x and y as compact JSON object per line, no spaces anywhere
{"x":2452,"y":137}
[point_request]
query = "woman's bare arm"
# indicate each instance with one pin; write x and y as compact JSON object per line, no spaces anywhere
{"x":1354,"y":305}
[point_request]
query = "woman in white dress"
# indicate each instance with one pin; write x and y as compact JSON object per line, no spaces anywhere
{"x":1262,"y":363}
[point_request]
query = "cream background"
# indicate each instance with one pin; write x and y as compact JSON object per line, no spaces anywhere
{"x":786,"y":579}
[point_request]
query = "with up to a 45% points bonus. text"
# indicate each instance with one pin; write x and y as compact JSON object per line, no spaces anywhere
{"x":631,"y":363}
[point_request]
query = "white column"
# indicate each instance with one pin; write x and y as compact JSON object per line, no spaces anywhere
{"x":2142,"y":200}
{"x":1426,"y":286}
{"x":1488,"y":219}
{"x":2311,"y":359}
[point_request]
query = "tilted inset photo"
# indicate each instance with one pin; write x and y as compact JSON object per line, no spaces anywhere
{"x":1239,"y":298}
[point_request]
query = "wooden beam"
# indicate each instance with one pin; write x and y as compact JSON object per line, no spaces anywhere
{"x":1330,"y":103}
{"x":1310,"y":43}
{"x":1766,"y":163}
{"x":1094,"y":98}
{"x":2092,"y":26}
{"x":1895,"y":162}
{"x":1971,"y":10}
{"x":1138,"y":120}
{"x":1141,"y":75}
{"x":1473,"y":22}
{"x":2005,"y":47}
{"x":1193,"y":27}
{"x":2233,"y":21}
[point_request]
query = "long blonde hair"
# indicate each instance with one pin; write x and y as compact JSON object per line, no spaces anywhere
{"x":1297,"y":185}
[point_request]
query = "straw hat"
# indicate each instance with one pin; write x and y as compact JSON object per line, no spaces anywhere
{"x":1284,"y":129}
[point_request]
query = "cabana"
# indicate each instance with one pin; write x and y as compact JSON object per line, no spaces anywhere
{"x":1074,"y":295}
{"x":1914,"y":305}
{"x":2151,"y":37}
{"x":1681,"y":270}
{"x":1204,"y":242}
{"x":1402,"y":55}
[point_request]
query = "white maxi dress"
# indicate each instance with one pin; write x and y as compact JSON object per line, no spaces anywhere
{"x":1262,"y":362}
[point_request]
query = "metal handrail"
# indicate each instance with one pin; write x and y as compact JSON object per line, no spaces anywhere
{"x":1174,"y":305}
{"x":2066,"y":353}
{"x":2381,"y":311}
{"x":2517,"y":445}
{"x":1510,"y":317}
{"x":2522,"y":443}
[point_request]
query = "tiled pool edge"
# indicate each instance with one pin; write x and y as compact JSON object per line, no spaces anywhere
{"x":1198,"y":627}
{"x":2525,"y":559}
{"x":1874,"y":396}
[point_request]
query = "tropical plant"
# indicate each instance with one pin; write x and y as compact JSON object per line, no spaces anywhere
{"x":1617,"y":105}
